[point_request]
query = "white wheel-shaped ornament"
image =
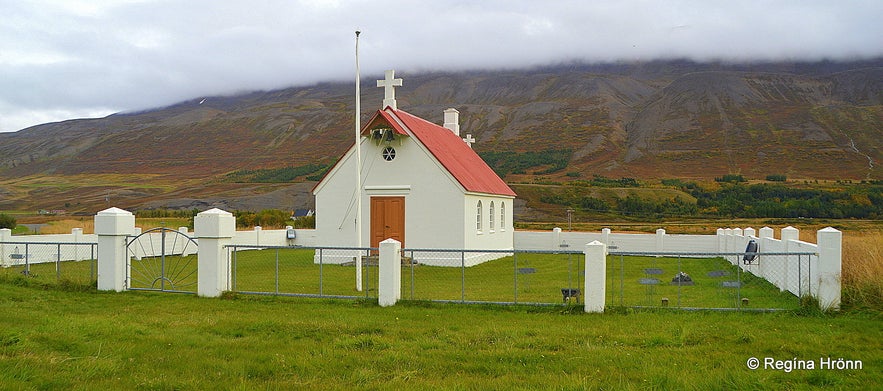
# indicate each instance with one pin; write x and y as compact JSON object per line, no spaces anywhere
{"x":389,"y":153}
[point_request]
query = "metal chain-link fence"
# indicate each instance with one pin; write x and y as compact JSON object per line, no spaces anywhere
{"x":303,"y":271}
{"x":488,"y":276}
{"x":471,"y":276}
{"x":50,"y":262}
{"x":708,"y":280}
{"x":677,"y":280}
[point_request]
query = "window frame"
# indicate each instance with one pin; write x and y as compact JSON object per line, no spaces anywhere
{"x":491,"y":216}
{"x":478,"y":213}
{"x":502,"y":215}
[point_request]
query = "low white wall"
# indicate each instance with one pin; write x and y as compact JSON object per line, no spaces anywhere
{"x":40,"y":249}
{"x":275,"y":237}
{"x":43,"y":248}
{"x":616,"y":242}
{"x":691,"y":243}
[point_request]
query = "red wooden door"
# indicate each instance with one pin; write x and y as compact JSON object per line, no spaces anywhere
{"x":387,"y":219}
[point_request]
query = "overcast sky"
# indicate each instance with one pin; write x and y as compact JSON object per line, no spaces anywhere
{"x":64,"y":59}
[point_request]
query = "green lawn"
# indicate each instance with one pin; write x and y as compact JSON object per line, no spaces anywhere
{"x":69,"y":339}
{"x":76,"y":272}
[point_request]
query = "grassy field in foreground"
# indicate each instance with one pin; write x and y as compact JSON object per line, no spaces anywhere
{"x":54,"y":339}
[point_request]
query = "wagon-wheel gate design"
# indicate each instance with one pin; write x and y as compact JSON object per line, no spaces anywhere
{"x":162,"y":259}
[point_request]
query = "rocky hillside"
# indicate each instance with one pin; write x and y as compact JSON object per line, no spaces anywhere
{"x":649,"y":120}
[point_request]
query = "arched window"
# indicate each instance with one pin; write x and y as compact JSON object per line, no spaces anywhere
{"x":478,"y":217}
{"x":502,"y":216}
{"x":491,"y":214}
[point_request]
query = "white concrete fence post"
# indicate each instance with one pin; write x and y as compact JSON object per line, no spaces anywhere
{"x":768,"y":266}
{"x":390,"y":268}
{"x":556,"y":238}
{"x":728,"y":243}
{"x":750,"y":232}
{"x":765,"y":232}
{"x":77,"y":234}
{"x":737,"y":245}
{"x":605,"y":236}
{"x":827,"y":281}
{"x":660,"y":240}
{"x":5,"y":236}
{"x":789,"y":282}
{"x":214,"y":229}
{"x":594,"y":284}
{"x":112,"y":226}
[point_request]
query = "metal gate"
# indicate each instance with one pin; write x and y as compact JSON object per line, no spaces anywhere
{"x":162,"y":259}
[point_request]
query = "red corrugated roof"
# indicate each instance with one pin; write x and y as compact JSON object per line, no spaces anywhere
{"x":451,"y":151}
{"x":381,"y":118}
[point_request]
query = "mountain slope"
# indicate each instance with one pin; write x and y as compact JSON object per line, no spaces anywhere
{"x":647,"y":120}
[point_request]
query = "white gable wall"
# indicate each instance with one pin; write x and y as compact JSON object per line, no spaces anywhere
{"x":433,"y":201}
{"x":335,"y":206}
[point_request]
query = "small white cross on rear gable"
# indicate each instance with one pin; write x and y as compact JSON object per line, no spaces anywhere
{"x":389,"y":92}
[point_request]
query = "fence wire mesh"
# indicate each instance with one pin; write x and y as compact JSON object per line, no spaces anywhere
{"x":50,"y":262}
{"x":487,"y":276}
{"x":303,"y":271}
{"x":708,"y":280}
{"x":475,"y":276}
{"x":677,"y":280}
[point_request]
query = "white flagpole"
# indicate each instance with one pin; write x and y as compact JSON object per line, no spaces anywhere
{"x":358,"y":174}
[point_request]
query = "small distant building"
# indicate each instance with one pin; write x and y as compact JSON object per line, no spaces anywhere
{"x":52,"y":212}
{"x":422,"y":184}
{"x":298,"y":213}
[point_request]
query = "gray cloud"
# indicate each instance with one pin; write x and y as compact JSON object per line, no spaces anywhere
{"x":63,"y":59}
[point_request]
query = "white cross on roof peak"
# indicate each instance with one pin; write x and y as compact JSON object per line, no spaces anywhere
{"x":469,"y":140}
{"x":389,"y":93}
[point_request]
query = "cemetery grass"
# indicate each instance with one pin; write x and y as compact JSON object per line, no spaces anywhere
{"x":64,"y":337}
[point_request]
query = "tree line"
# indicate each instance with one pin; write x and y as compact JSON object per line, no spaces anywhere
{"x":508,"y":162}
{"x":7,"y":221}
{"x":312,"y":172}
{"x":776,"y":200}
{"x":631,"y":205}
{"x":732,"y":199}
{"x":267,"y":218}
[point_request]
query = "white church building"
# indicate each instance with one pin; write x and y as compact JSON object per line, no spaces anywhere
{"x":421,"y":184}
